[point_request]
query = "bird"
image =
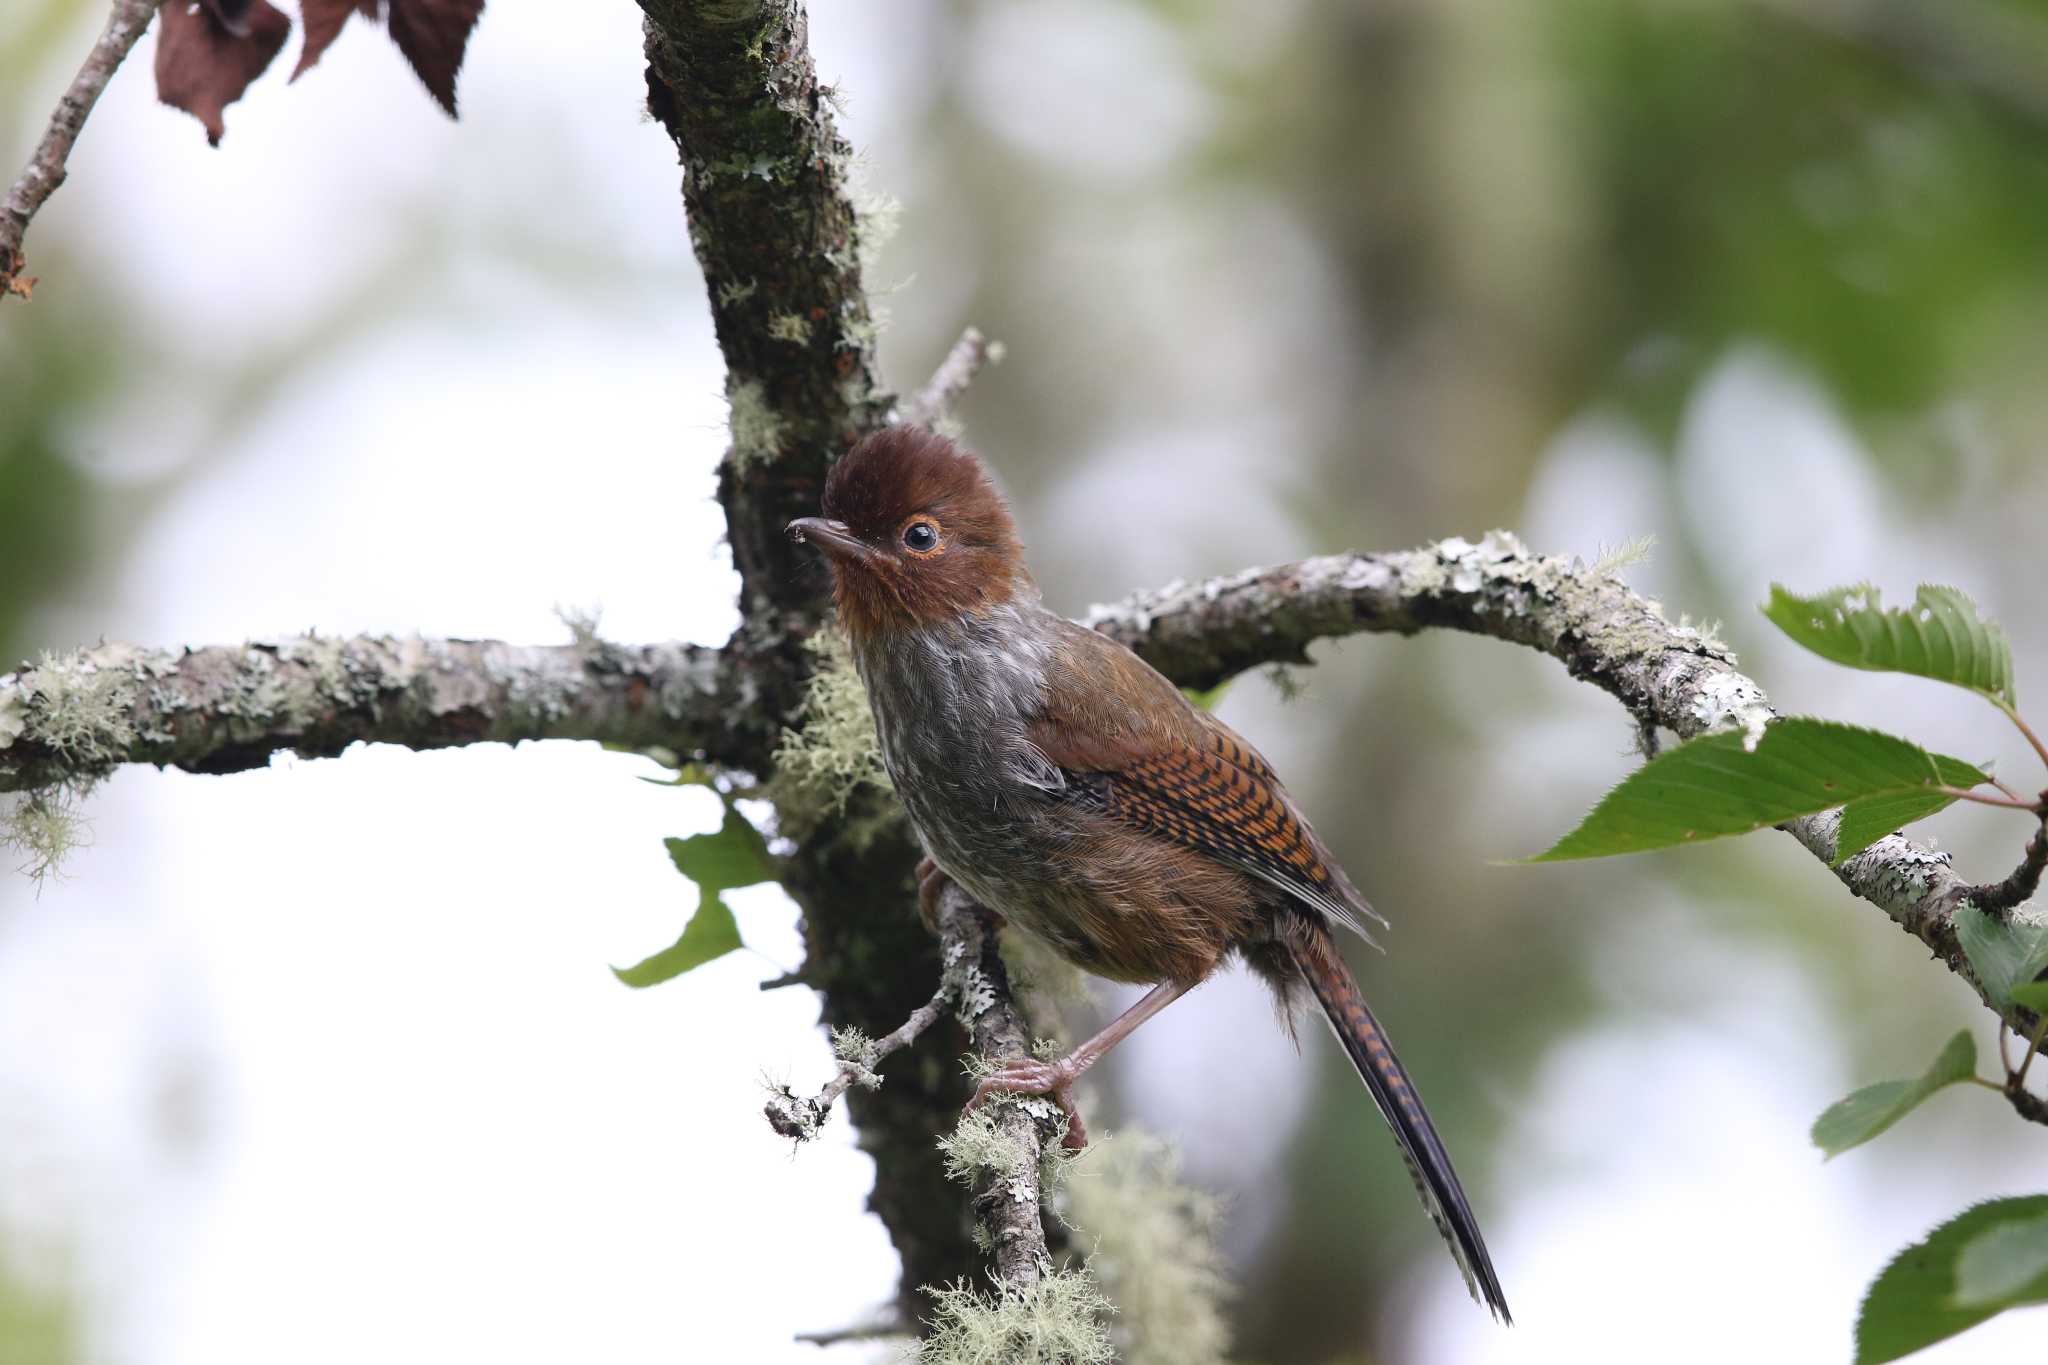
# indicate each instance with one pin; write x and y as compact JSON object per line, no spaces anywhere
{"x":1076,"y":793}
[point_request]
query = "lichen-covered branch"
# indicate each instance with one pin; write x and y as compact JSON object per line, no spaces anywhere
{"x":858,"y":1056}
{"x":1022,"y":1131}
{"x":772,"y":219}
{"x":1674,"y":677}
{"x":773,"y":224}
{"x":45,"y":170}
{"x":229,"y":707}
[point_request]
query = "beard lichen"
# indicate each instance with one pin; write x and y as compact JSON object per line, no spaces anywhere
{"x":833,"y":751}
{"x":1151,"y":1239}
{"x":1061,"y":1320}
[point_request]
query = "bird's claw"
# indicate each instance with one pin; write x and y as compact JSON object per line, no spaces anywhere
{"x":1055,"y":1079}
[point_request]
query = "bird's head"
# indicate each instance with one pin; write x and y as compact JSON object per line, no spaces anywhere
{"x":916,"y":534}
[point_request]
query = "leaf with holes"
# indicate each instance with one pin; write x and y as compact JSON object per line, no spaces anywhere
{"x":1940,"y":636}
{"x":2003,"y":952}
{"x":1913,"y":1304}
{"x":1714,"y":786}
{"x":1853,"y":1121}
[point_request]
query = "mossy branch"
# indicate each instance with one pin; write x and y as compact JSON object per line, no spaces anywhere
{"x":225,"y":708}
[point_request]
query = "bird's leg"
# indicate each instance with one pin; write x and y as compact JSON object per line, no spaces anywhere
{"x":931,"y":884}
{"x":1057,"y":1078}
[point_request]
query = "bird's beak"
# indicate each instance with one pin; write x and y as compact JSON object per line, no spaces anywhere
{"x":835,"y":538}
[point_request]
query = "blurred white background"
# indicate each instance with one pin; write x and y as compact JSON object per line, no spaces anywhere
{"x":324,"y":1063}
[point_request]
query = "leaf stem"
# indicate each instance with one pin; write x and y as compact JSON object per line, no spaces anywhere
{"x":2012,"y":714}
{"x":2033,"y":1050}
{"x":2010,"y":803}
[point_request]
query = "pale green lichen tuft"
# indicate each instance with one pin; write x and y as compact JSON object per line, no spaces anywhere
{"x":833,"y":751}
{"x":1154,"y":1240}
{"x":44,"y":827}
{"x":790,"y":327}
{"x":758,"y":430}
{"x":1614,"y":558}
{"x":1061,"y":1320}
{"x":80,"y":709}
{"x":856,"y":1053}
{"x":736,"y":291}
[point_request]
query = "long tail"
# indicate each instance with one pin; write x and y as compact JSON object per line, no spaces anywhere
{"x":1367,"y":1045}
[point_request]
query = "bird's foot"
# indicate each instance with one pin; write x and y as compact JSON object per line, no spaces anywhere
{"x":1055,"y":1079}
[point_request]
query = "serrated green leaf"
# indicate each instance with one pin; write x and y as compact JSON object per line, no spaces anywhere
{"x":711,"y":933}
{"x":2004,"y":1266}
{"x":2004,"y":953}
{"x":1940,"y":636}
{"x":1912,"y":1304}
{"x":1855,"y":1120}
{"x":735,"y":855}
{"x":1866,"y":821}
{"x":1711,"y":787}
{"x":2034,"y":995}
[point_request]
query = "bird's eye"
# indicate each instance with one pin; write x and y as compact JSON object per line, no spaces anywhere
{"x":921,"y":537}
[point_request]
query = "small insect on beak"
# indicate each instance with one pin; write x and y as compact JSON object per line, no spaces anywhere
{"x":835,"y":538}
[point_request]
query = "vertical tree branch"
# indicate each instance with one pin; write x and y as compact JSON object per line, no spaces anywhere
{"x":773,"y":224}
{"x":46,"y":168}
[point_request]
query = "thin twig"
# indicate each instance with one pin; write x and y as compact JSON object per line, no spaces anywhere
{"x":800,"y":1119}
{"x":45,"y":170}
{"x":2020,"y":886}
{"x":872,"y":1331}
{"x":934,"y":402}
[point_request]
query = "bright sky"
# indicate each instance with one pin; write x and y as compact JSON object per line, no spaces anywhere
{"x":323,"y":1064}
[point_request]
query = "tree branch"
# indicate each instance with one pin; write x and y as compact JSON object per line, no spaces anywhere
{"x":230,"y":707}
{"x":934,"y":402}
{"x":1601,"y":631}
{"x":45,"y":170}
{"x":1007,"y":1197}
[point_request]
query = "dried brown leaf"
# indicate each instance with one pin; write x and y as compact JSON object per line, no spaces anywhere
{"x":203,"y":65}
{"x":433,"y":35}
{"x":323,"y":20}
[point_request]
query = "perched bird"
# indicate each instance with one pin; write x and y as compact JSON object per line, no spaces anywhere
{"x":1070,"y":788}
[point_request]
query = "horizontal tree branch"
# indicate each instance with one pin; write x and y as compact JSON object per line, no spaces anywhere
{"x":225,"y":708}
{"x":230,"y":707}
{"x":1668,"y":676}
{"x":46,"y":167}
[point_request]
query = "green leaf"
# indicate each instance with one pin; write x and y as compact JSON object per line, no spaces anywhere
{"x":1866,"y":821}
{"x":1913,"y":1304}
{"x":2034,"y":995}
{"x":1853,"y":1121}
{"x":2004,"y":953}
{"x":1712,"y":786}
{"x":711,"y":933}
{"x":736,"y":855}
{"x":1205,"y":698}
{"x":2004,"y":1266}
{"x":1940,"y":636}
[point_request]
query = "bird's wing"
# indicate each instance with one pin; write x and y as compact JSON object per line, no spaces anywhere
{"x":1131,"y":744}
